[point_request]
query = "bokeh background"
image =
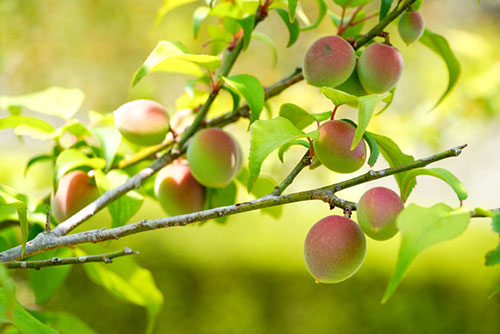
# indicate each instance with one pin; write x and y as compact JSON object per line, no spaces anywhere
{"x":248,"y":276}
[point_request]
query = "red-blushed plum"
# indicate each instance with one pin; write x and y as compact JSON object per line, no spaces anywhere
{"x":411,"y":26}
{"x":379,"y":68}
{"x":377,"y":211}
{"x":214,"y":157}
{"x":142,"y":122}
{"x":334,"y":249}
{"x":74,"y":192}
{"x":178,"y":191}
{"x":329,"y":62}
{"x":333,"y":147}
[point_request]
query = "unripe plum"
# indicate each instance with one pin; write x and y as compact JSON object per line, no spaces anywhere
{"x":377,"y":211}
{"x":411,"y":26}
{"x":334,"y":249}
{"x":178,"y":191}
{"x":142,"y":122}
{"x":333,"y":147}
{"x":379,"y":68}
{"x":329,"y":62}
{"x":74,"y":192}
{"x":214,"y":157}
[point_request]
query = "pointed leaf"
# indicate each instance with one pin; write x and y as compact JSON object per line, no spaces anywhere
{"x":440,"y":173}
{"x":251,"y":89}
{"x":439,"y":45}
{"x":247,"y":24}
{"x":322,"y":9}
{"x":71,"y":159}
{"x":292,"y":6}
{"x":218,"y":197}
{"x":63,"y":322}
{"x":298,"y":116}
{"x":422,"y":228}
{"x":339,"y":97}
{"x":110,"y":138}
{"x":293,"y":28}
{"x":7,"y":198}
{"x":285,"y":147}
{"x":366,"y":107}
{"x":385,"y":6}
{"x":270,"y":43}
{"x":199,"y":15}
{"x":19,"y":120}
{"x":166,"y":7}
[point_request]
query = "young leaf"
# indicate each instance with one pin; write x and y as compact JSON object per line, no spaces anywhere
{"x":110,"y":138}
{"x":166,"y":7}
{"x":292,"y":6}
{"x":71,"y":159}
{"x":251,"y":89}
{"x":218,"y":197}
{"x":46,"y":282}
{"x":22,"y":319}
{"x":385,"y":6}
{"x":126,"y":281}
{"x":265,"y":137}
{"x":286,"y":146}
{"x":322,"y":9}
{"x":199,"y":15}
{"x":270,"y":43}
{"x":293,"y":28}
{"x":387,"y":100}
{"x":7,"y":198}
{"x":126,"y":206}
{"x":440,"y":173}
{"x":55,"y":101}
{"x":366,"y":107}
{"x":439,"y":45}
{"x":19,"y":120}
{"x":395,"y":157}
{"x":295,"y":114}
{"x":338,"y":97}
{"x":422,"y":228}
{"x":493,"y":256}
{"x":174,"y":57}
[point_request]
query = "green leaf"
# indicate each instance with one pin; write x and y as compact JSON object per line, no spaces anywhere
{"x":270,"y":43}
{"x":72,"y":126}
{"x":387,"y":100}
{"x":293,"y":28}
{"x":440,"y":173}
{"x":166,"y":7}
{"x":339,"y":97}
{"x":7,"y":198}
{"x":174,"y":57}
{"x":124,"y":208}
{"x":493,"y":256}
{"x":351,"y":31}
{"x":422,"y":228}
{"x":395,"y":157}
{"x":9,"y":290}
{"x":55,"y":101}
{"x":292,"y":6}
{"x":128,"y":282}
{"x":110,"y":138}
{"x":351,"y":3}
{"x":71,"y":159}
{"x":298,"y":116}
{"x":251,"y":89}
{"x":322,"y":9}
{"x":199,"y":15}
{"x":218,"y":197}
{"x":439,"y":45}
{"x":366,"y":106}
{"x":22,"y":319}
{"x":46,"y":281}
{"x":247,"y":24}
{"x":286,"y":146}
{"x":17,"y":121}
{"x":63,"y":322}
{"x":235,"y":96}
{"x":262,"y":187}
{"x":496,"y":222}
{"x":385,"y":6}
{"x":372,"y":144}
{"x":265,"y":137}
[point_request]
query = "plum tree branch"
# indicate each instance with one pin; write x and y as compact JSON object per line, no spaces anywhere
{"x":55,"y":261}
{"x":303,"y":163}
{"x":48,"y":240}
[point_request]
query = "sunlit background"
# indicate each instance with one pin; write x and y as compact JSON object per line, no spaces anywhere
{"x":248,"y":275}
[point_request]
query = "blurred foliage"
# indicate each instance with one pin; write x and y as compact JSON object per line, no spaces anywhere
{"x":248,"y":276}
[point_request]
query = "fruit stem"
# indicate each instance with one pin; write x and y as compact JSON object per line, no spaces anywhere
{"x":334,"y":111}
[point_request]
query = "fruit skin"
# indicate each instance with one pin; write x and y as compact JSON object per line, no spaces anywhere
{"x":142,"y":122}
{"x":333,"y":147}
{"x":334,"y":249}
{"x":379,"y":68}
{"x":329,"y":62}
{"x":178,"y":191}
{"x":214,"y":157}
{"x":377,"y":211}
{"x":411,"y":26}
{"x":74,"y":192}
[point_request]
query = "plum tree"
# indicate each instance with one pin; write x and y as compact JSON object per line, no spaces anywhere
{"x":214,"y":157}
{"x":379,"y":68}
{"x":333,"y":147}
{"x":377,"y":211}
{"x":142,"y":122}
{"x":411,"y":26}
{"x":329,"y":62}
{"x":178,"y":191}
{"x":74,"y":192}
{"x":334,"y":249}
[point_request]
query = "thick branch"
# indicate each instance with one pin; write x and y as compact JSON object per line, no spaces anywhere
{"x":106,"y":258}
{"x":47,"y":240}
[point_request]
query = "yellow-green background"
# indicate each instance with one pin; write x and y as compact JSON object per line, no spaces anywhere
{"x":248,"y":276}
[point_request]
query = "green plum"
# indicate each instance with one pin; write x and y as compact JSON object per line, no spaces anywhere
{"x":411,"y":26}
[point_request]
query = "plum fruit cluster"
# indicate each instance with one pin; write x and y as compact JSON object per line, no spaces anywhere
{"x":335,"y":246}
